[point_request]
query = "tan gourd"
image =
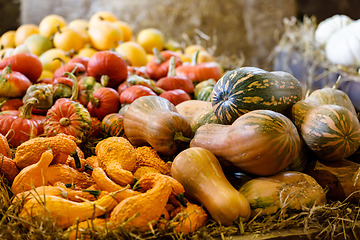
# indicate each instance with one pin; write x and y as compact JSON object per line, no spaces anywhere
{"x":200,"y":172}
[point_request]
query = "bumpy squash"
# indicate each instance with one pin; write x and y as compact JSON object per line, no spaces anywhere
{"x":249,"y":88}
{"x":332,"y":132}
{"x":66,"y":212}
{"x":289,"y":191}
{"x":203,"y":179}
{"x":154,"y":121}
{"x":260,"y":142}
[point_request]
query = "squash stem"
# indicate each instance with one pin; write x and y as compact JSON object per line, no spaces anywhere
{"x":75,"y":88}
{"x":241,"y":226}
{"x":26,"y":111}
{"x":159,"y":59}
{"x":336,"y":85}
{"x":2,"y":104}
{"x":88,"y":167}
{"x":95,"y":193}
{"x":181,"y":198}
{"x":194,"y":59}
{"x":171,"y":71}
{"x":180,"y":137}
{"x":104,"y":80}
{"x":76,"y":158}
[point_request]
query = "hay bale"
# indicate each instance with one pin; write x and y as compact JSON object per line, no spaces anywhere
{"x":233,"y":26}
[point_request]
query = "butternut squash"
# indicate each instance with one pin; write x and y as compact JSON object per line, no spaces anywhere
{"x":200,"y":172}
{"x":190,"y":108}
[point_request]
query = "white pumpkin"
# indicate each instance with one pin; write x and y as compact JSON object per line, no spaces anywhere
{"x":343,"y":47}
{"x":329,"y":26}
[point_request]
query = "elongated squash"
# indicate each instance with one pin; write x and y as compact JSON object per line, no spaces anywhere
{"x":260,"y":142}
{"x":200,"y":173}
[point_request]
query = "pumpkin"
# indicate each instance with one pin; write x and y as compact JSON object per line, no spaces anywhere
{"x":78,"y":69}
{"x":158,"y":66}
{"x":8,"y":168}
{"x":108,"y":66}
{"x":198,"y":72}
{"x":112,"y":125}
{"x":331,"y":132}
{"x":131,"y":93}
{"x":286,"y":191}
{"x":21,"y":124}
{"x":103,"y":101}
{"x":329,"y":26}
{"x":62,"y":88}
{"x":11,"y":104}
{"x":248,"y":88}
{"x":44,"y":93}
{"x":154,"y":121}
{"x":84,"y":60}
{"x":87,"y":85}
{"x":204,"y":181}
{"x":137,"y":80}
{"x":68,"y":116}
{"x":175,"y":96}
{"x":4,"y":146}
{"x":26,"y":63}
{"x":342,"y":47}
{"x":171,"y":81}
{"x":13,"y":84}
{"x":260,"y":142}
{"x":332,"y":95}
{"x":95,"y":131}
{"x":139,"y":71}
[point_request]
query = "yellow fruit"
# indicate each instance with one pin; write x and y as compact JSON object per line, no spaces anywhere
{"x":79,"y":24}
{"x":49,"y":24}
{"x":46,"y":74}
{"x":205,"y":56}
{"x":149,"y":38}
{"x":86,"y":52}
{"x":126,"y":30}
{"x":49,"y":59}
{"x":6,"y":52}
{"x":191,"y":49}
{"x":102,"y":16}
{"x":133,"y":52}
{"x":68,"y":39}
{"x":104,"y":35}
{"x":38,"y":44}
{"x":8,"y":39}
{"x":24,"y":31}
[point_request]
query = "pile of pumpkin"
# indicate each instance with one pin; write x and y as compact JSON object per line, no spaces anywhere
{"x":169,"y":133}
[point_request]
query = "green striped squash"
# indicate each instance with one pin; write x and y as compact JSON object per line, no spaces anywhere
{"x":260,"y":142}
{"x":248,"y":88}
{"x":205,"y":93}
{"x":332,"y":132}
{"x":206,"y":116}
{"x":112,"y":125}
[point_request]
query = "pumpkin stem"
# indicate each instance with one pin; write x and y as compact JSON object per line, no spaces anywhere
{"x":159,"y":58}
{"x":75,"y":88}
{"x":95,"y":193}
{"x":171,"y":71}
{"x":61,"y":60}
{"x":178,"y":136}
{"x":104,"y":80}
{"x":26,"y":111}
{"x":64,"y":121}
{"x":7,"y":69}
{"x":194,"y":59}
{"x":88,"y":167}
{"x":2,"y":104}
{"x":336,"y":85}
{"x":94,"y":101}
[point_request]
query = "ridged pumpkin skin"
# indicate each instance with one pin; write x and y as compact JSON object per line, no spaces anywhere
{"x":261,"y":142}
{"x":204,"y":181}
{"x":112,"y":125}
{"x":332,"y":132}
{"x":328,"y":95}
{"x":154,"y":121}
{"x":289,"y":190}
{"x":248,"y":88}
